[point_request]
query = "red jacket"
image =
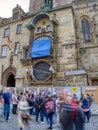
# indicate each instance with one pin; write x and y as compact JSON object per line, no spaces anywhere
{"x":75,"y":106}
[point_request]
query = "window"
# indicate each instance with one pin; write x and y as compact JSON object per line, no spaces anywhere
{"x":15,"y":16}
{"x":85,"y":30}
{"x":17,"y":47}
{"x":39,"y":29}
{"x":48,"y":27}
{"x":49,"y":3}
{"x":4,"y":51}
{"x":46,"y":2}
{"x":19,"y":27}
{"x":27,"y":54}
{"x":6,"y":32}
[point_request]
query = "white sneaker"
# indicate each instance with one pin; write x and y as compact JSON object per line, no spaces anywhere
{"x":42,"y":122}
{"x":9,"y":118}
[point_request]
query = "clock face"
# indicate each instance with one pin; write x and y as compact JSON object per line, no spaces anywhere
{"x":41,"y":71}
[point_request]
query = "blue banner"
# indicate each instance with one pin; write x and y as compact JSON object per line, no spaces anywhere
{"x":41,"y":48}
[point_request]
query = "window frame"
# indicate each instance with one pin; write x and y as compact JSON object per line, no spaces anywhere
{"x":17,"y":48}
{"x":39,"y":29}
{"x":27,"y":54}
{"x":6,"y":32}
{"x":19,"y":29}
{"x":49,"y":3}
{"x":4,"y":51}
{"x":15,"y":15}
{"x":86,"y":31}
{"x":48,"y":27}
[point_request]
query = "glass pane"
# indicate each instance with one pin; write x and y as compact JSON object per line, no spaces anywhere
{"x":49,"y":28}
{"x":85,"y":30}
{"x":19,"y":28}
{"x":6,"y":32}
{"x":39,"y":29}
{"x":4,"y":51}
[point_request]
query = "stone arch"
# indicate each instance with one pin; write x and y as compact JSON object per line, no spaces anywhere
{"x":84,"y":17}
{"x":39,"y":16}
{"x":9,"y":71}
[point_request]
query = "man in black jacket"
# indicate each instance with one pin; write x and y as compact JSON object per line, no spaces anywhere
{"x":66,"y":115}
{"x":40,"y":106}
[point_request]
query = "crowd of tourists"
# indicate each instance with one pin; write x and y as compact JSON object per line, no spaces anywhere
{"x":66,"y":109}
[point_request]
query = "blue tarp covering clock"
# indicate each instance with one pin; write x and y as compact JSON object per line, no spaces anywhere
{"x":41,"y":48}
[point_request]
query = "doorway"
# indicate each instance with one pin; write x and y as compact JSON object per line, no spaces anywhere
{"x":11,"y":81}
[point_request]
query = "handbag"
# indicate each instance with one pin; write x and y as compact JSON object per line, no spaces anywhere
{"x":26,"y":116}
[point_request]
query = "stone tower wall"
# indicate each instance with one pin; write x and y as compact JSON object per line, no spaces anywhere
{"x":36,"y":6}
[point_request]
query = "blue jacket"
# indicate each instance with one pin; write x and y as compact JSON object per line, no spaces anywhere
{"x":85,"y":104}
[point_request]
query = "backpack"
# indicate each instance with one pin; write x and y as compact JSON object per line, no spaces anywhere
{"x":51,"y":107}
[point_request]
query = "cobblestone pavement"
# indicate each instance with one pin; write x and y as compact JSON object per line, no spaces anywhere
{"x":13,"y":124}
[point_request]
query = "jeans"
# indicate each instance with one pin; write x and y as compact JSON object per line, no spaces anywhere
{"x":80,"y":127}
{"x":31,"y":111}
{"x":46,"y":115}
{"x":87,"y":115}
{"x":50,"y":117}
{"x":54,"y":117}
{"x":14,"y":110}
{"x":6,"y":111}
{"x":41,"y":112}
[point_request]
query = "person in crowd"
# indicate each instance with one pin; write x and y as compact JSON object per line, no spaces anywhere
{"x":50,"y":109}
{"x":90,"y":102}
{"x":45,"y":112}
{"x":79,"y":117}
{"x":20,"y":95}
{"x":31,"y":101}
{"x":1,"y":93}
{"x":75,"y":96}
{"x":54,"y":97}
{"x":23,"y":113}
{"x":82,"y":95}
{"x":90,"y":99}
{"x":86,"y":107}
{"x":66,"y":114}
{"x":75,"y":106}
{"x":40,"y":105}
{"x":6,"y":101}
{"x":27,"y":93}
{"x":14,"y":103}
{"x":93,"y":99}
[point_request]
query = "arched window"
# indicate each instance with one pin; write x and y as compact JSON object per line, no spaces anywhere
{"x":85,"y":30}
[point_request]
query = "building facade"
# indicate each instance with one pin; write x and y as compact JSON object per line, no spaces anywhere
{"x":54,"y":44}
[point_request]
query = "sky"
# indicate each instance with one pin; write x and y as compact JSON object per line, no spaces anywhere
{"x":6,"y":7}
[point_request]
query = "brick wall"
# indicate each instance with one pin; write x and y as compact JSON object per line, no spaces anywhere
{"x":36,"y":6}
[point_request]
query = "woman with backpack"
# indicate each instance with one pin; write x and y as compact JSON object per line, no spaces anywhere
{"x":50,"y":109}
